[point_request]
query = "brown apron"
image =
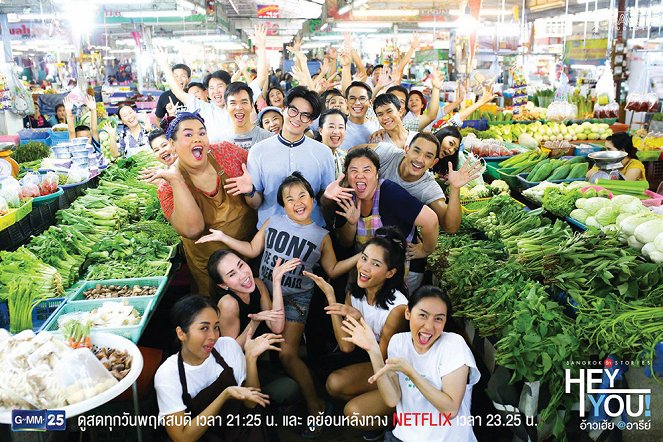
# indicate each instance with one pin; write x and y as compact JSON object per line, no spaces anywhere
{"x":224,"y":212}
{"x":239,"y":431}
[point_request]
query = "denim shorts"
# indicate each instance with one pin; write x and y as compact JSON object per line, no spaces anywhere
{"x":296,"y":306}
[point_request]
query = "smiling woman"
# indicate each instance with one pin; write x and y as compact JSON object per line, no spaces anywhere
{"x":193,"y":197}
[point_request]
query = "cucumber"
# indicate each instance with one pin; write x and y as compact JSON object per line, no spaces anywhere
{"x":576,"y":160}
{"x":560,"y":173}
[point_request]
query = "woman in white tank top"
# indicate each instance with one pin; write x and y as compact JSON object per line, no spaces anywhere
{"x":378,"y":295}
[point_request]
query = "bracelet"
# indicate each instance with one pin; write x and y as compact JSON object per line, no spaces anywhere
{"x":253,"y":192}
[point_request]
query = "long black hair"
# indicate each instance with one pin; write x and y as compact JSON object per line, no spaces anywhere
{"x":186,"y":309}
{"x":271,"y":88}
{"x":442,"y":166}
{"x":393,"y":243}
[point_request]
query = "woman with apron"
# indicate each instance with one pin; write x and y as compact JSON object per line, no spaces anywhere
{"x":130,"y":138}
{"x":379,"y":203}
{"x":209,"y":377}
{"x":193,"y":197}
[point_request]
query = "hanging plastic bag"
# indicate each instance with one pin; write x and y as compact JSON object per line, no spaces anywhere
{"x":563,"y":91}
{"x":605,"y":87}
{"x":21,"y":99}
{"x":10,"y":190}
{"x":652,"y":100}
{"x":30,"y":186}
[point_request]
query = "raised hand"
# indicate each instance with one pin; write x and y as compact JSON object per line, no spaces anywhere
{"x":281,"y":268}
{"x":90,"y":103}
{"x":332,"y":53}
{"x":170,"y":107}
{"x":467,"y":173}
{"x":68,"y":104}
{"x":347,"y":42}
{"x":345,"y":58}
{"x":297,"y":44}
{"x":392,"y":365}
{"x":415,"y":41}
{"x":152,"y":174}
{"x":488,"y":94}
{"x":384,"y":79}
{"x":462,"y":91}
{"x":350,"y":212}
{"x":344,"y":310}
{"x":247,"y":394}
{"x":438,"y":80}
{"x":360,"y":76}
{"x":255,"y":347}
{"x":260,"y":37}
{"x":214,"y":235}
{"x":335,"y":192}
{"x":108,"y":127}
{"x":326,"y":288}
{"x":360,"y":333}
{"x":241,"y":184}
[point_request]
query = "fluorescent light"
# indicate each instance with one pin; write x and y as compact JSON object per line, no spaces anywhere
{"x":344,"y":10}
{"x":363,"y":24}
{"x":386,"y":13}
{"x":156,"y":14}
{"x":439,"y":24}
{"x":324,"y":26}
{"x":207,"y":38}
{"x":362,"y":30}
{"x":358,"y":3}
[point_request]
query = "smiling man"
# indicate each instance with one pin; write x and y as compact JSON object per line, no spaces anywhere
{"x":387,"y":108}
{"x":409,"y":169}
{"x":239,"y":102}
{"x":358,"y":128}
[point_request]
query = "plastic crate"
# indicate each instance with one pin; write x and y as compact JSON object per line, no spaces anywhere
{"x":132,"y":332}
{"x":524,"y":184}
{"x":35,"y":134}
{"x":43,"y":214}
{"x":156,"y":281}
{"x":508,"y":177}
{"x":24,"y":210}
{"x":59,"y":136}
{"x":40,"y":314}
{"x":15,"y":235}
{"x":493,"y":170}
{"x":71,"y":192}
{"x":8,"y":219}
{"x":479,"y":125}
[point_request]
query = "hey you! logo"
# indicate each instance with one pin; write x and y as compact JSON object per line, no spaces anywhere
{"x":636,"y":402}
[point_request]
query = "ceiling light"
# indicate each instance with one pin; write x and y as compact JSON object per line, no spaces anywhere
{"x":358,"y":3}
{"x":438,"y":24}
{"x":155,"y":14}
{"x":363,"y":24}
{"x":345,"y":9}
{"x":324,"y":26}
{"x":386,"y":13}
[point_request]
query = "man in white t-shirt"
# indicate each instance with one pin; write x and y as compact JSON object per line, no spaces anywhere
{"x":358,"y":129}
{"x":239,"y":102}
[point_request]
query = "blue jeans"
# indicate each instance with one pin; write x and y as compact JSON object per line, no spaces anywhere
{"x":296,"y":306}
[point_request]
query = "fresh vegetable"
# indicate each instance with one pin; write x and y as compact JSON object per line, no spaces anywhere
{"x":113,"y":291}
{"x":77,"y":333}
{"x":559,"y":201}
{"x":24,"y":266}
{"x":127,"y":269}
{"x":579,"y":214}
{"x":648,"y":231}
{"x":31,"y":151}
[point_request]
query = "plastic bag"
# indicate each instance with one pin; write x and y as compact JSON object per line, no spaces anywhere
{"x":610,"y":110}
{"x":4,"y":207}
{"x":10,"y":190}
{"x":563,"y":90}
{"x":652,"y":99}
{"x":605,"y":87}
{"x":49,"y":183}
{"x":21,"y":99}
{"x":562,"y":110}
{"x":77,"y":174}
{"x":30,"y":186}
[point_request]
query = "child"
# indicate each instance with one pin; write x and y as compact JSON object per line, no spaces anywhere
{"x":289,"y":237}
{"x":379,"y":297}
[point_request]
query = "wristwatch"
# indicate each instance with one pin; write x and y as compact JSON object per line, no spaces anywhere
{"x":253,"y":192}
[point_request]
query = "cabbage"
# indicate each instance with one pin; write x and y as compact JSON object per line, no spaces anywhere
{"x":593,"y":205}
{"x":610,"y":229}
{"x":579,"y":215}
{"x":647,"y":249}
{"x":592,"y":222}
{"x":634,"y":243}
{"x":500,"y":185}
{"x":656,"y":256}
{"x":621,"y":200}
{"x":581,"y":203}
{"x":659,"y":242}
{"x":629,"y":224}
{"x":633,"y":207}
{"x":621,"y":217}
{"x":479,"y":191}
{"x":606,"y":215}
{"x":648,"y":231}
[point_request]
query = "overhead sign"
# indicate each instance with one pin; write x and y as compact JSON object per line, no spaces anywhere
{"x":592,"y":51}
{"x":268,"y":11}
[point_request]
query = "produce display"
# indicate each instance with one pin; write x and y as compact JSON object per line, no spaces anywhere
{"x":549,"y":131}
{"x":117,"y":362}
{"x":554,"y":169}
{"x":489,"y":147}
{"x":110,"y":314}
{"x":114,"y":291}
{"x":497,"y":187}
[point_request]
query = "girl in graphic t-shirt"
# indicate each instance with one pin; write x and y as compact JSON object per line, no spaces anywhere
{"x":428,"y":371}
{"x":378,"y":297}
{"x":298,"y":241}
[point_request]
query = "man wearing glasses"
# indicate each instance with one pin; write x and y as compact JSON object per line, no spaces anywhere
{"x":358,"y":129}
{"x":272,"y":160}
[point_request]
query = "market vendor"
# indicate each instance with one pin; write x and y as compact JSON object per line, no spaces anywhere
{"x":428,"y":370}
{"x":193,"y":197}
{"x":131,"y":137}
{"x":209,"y":377}
{"x":378,"y":202}
{"x":633,"y":169}
{"x":244,"y":301}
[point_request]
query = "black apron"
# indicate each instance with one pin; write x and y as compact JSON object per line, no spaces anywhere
{"x":238,"y":432}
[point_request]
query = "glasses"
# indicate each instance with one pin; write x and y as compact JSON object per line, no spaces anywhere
{"x":361,"y":100}
{"x":305,"y":117}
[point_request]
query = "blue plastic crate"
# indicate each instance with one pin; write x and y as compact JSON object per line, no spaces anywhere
{"x":40,"y":314}
{"x":479,"y":125}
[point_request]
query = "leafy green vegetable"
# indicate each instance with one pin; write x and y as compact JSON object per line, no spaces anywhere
{"x":31,"y":151}
{"x":560,"y":201}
